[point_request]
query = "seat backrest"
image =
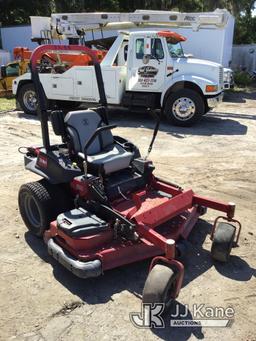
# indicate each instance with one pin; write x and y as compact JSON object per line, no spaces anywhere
{"x":58,"y":125}
{"x":81,"y":125}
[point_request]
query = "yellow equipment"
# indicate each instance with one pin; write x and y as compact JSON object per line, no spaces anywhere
{"x":10,"y":71}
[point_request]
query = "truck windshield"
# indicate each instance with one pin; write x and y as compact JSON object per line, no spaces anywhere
{"x":175,"y":48}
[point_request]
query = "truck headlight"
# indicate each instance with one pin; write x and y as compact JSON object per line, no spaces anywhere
{"x":228,"y":76}
{"x":211,"y":88}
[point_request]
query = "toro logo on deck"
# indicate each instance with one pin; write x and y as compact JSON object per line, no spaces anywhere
{"x":147,"y":71}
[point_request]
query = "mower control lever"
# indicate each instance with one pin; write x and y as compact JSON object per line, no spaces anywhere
{"x":97,"y":193}
{"x":94,"y":135}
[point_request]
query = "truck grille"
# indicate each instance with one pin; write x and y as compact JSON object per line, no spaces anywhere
{"x":221,"y":75}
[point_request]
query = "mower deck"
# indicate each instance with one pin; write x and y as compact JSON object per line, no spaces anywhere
{"x":99,"y":206}
{"x":161,"y":213}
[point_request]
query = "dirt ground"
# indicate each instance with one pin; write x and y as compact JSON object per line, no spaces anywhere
{"x":39,"y":300}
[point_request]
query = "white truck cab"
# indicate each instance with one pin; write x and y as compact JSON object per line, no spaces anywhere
{"x":145,"y":69}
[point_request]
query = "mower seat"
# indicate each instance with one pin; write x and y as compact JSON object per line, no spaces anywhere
{"x":103,"y":154}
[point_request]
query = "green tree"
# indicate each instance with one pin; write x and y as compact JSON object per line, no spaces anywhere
{"x":18,"y":11}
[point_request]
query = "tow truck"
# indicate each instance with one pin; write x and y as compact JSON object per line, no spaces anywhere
{"x":144,"y":68}
{"x":20,"y":65}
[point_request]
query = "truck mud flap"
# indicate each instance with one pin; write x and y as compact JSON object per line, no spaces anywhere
{"x":80,"y":269}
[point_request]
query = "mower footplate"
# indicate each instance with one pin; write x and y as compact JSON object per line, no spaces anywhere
{"x":80,"y":269}
{"x":80,"y":223}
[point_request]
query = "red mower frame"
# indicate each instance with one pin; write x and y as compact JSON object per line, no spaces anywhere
{"x":182,"y":211}
{"x":160,"y":222}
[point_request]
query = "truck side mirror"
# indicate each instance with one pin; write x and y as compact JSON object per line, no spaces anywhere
{"x":3,"y":71}
{"x":147,"y":50}
{"x":146,"y":59}
{"x":147,"y":46}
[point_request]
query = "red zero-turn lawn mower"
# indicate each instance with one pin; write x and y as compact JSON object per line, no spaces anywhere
{"x":99,"y":206}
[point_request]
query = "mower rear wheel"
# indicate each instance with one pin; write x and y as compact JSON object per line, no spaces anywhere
{"x":39,"y":203}
{"x":159,"y":285}
{"x":223,"y":240}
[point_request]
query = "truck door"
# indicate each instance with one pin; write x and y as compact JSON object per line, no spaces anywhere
{"x":150,"y":76}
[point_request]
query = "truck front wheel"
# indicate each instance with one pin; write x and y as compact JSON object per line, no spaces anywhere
{"x":184,"y":107}
{"x":27,"y":99}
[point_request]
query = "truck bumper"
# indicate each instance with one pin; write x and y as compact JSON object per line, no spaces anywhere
{"x":228,"y":86}
{"x":214,"y":101}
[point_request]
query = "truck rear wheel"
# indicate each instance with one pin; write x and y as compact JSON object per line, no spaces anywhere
{"x":184,"y":107}
{"x":27,"y":99}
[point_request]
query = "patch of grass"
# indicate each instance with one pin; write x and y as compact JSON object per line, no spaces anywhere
{"x":7,"y":104}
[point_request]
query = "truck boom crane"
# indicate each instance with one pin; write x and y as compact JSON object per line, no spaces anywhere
{"x":72,"y":25}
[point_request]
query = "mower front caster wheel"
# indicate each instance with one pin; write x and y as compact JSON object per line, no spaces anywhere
{"x":160,"y":285}
{"x":223,"y":240}
{"x":40,"y":203}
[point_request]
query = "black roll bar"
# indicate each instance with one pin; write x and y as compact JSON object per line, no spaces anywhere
{"x":40,"y":93}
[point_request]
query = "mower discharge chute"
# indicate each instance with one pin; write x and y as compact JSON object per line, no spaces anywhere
{"x":99,"y":205}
